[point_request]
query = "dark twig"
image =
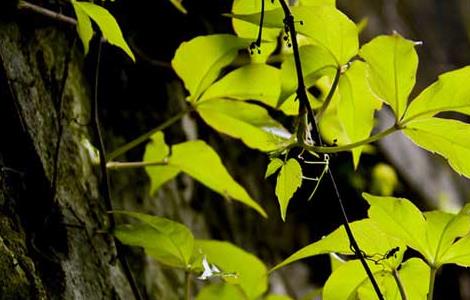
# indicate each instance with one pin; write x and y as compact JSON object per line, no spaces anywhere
{"x":47,"y":13}
{"x":305,"y":110}
{"x":106,"y":183}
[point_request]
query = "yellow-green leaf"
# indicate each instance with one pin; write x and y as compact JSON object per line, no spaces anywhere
{"x":248,"y":122}
{"x":357,"y":106}
{"x":84,"y":28}
{"x":107,"y":24}
{"x":450,"y":92}
{"x":250,"y":272}
{"x":370,"y":238}
{"x":179,"y":6}
{"x":448,"y":138}
{"x":169,"y":242}
{"x":401,"y":219}
{"x":273,"y":166}
{"x":392,"y":63}
{"x":252,"y":82}
{"x":199,"y":61}
{"x":220,"y":291}
{"x":288,"y":181}
{"x":196,"y":157}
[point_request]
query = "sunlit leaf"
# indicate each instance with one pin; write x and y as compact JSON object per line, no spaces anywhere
{"x":248,"y":122}
{"x":169,"y":242}
{"x":370,"y":238}
{"x":256,"y":82}
{"x":399,"y":218}
{"x":196,"y":157}
{"x":156,"y":151}
{"x":357,"y":106}
{"x":324,"y":24}
{"x":346,"y":280}
{"x":107,"y":24}
{"x":84,"y":28}
{"x":450,"y":92}
{"x":178,"y":4}
{"x":448,"y":138}
{"x":458,"y":253}
{"x":213,"y":52}
{"x":288,"y":181}
{"x":277,"y":297}
{"x":220,"y":291}
{"x":273,"y":166}
{"x":249,"y":271}
{"x":392,"y":63}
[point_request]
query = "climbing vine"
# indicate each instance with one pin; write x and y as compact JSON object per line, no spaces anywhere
{"x":318,"y":46}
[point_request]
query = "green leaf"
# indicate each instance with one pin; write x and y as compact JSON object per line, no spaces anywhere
{"x":179,"y":6}
{"x":277,"y":297}
{"x":338,"y":34}
{"x":413,"y":274}
{"x":448,"y":138}
{"x":458,"y":253}
{"x":399,"y":218}
{"x":196,"y":157}
{"x":316,"y":62}
{"x":248,"y":122}
{"x":346,"y":280}
{"x":169,"y":242}
{"x":392,"y":64}
{"x":247,"y":30}
{"x":107,"y":24}
{"x":256,"y":82}
{"x":84,"y":28}
{"x":450,"y":92}
{"x":251,"y":272}
{"x":357,"y":106}
{"x":443,"y":229}
{"x":370,"y":238}
{"x":156,"y":151}
{"x":220,"y":291}
{"x":288,"y":181}
{"x":213,"y":52}
{"x":273,"y":166}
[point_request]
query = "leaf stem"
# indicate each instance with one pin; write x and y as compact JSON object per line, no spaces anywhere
{"x":330,"y":95}
{"x":139,"y":140}
{"x":432,"y":279}
{"x":187,"y":290}
{"x":401,"y":288}
{"x":376,"y":137}
{"x":115,"y":165}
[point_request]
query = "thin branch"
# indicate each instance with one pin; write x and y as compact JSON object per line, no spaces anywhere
{"x":399,"y":283}
{"x":115,"y":165}
{"x":139,"y":140}
{"x":376,"y":137}
{"x":432,"y":279}
{"x":305,"y":105}
{"x":47,"y":13}
{"x":106,"y":182}
{"x":330,"y":95}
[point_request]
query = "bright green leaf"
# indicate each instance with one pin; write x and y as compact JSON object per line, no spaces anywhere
{"x":196,"y":157}
{"x":324,"y":24}
{"x":448,"y":138}
{"x":370,"y":238}
{"x":107,"y":24}
{"x":450,"y":92}
{"x":213,"y":52}
{"x":458,"y":253}
{"x":251,"y":272}
{"x":392,"y":64}
{"x":251,"y":82}
{"x":273,"y":166}
{"x":346,"y":280}
{"x":399,"y":218}
{"x":288,"y":181}
{"x":84,"y":28}
{"x":220,"y":291}
{"x":156,"y":151}
{"x":357,"y":106}
{"x":277,"y":297}
{"x":179,"y":6}
{"x":248,"y":122}
{"x":169,"y":242}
